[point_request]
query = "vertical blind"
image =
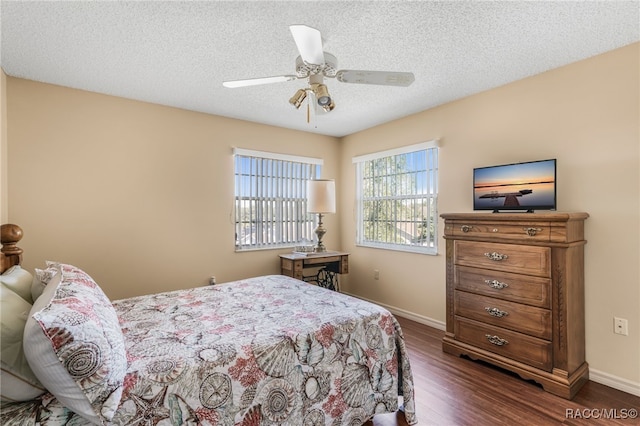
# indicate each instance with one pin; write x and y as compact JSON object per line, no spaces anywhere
{"x":271,"y":199}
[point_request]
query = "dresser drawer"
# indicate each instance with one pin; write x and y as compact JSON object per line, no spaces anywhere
{"x":501,"y":230}
{"x":530,"y":260}
{"x":510,"y":344}
{"x":514,"y":316}
{"x":526,"y":289}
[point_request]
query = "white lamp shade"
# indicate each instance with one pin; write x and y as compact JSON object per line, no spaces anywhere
{"x":321,"y":195}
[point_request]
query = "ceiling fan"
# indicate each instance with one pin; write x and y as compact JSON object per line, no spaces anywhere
{"x":316,"y":64}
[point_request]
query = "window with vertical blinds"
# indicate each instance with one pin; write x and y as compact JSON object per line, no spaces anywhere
{"x":271,"y":199}
{"x":397,"y":192}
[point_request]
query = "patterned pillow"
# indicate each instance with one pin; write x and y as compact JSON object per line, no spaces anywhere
{"x":41,"y":278}
{"x":75,"y":346}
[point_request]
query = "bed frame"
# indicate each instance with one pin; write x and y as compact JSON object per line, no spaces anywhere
{"x":10,"y":253}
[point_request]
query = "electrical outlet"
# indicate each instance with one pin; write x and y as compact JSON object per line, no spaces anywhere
{"x":212,"y":280}
{"x":376,"y":274}
{"x":620,"y":326}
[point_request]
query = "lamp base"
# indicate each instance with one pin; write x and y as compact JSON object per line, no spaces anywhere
{"x":320,"y":231}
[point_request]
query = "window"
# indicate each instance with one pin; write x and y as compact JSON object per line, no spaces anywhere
{"x":397,"y":193}
{"x":271,"y":199}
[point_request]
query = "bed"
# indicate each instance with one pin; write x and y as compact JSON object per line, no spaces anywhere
{"x":268,"y":350}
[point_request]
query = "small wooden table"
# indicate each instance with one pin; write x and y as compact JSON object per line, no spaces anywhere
{"x":330,"y":263}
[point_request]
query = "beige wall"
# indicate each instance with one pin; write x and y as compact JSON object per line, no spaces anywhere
{"x":139,"y":195}
{"x":4,"y":204}
{"x":587,"y":116}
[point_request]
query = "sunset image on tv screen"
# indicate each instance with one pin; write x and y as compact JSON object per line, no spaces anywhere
{"x":515,"y":186}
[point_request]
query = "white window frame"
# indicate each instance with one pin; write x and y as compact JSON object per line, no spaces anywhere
{"x":276,"y":213}
{"x":423,"y":196}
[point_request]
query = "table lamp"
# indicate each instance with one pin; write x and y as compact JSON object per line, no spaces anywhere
{"x":321,"y":199}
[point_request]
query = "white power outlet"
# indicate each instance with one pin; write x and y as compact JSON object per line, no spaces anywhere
{"x":212,"y":280}
{"x":376,"y":274}
{"x":620,"y":326}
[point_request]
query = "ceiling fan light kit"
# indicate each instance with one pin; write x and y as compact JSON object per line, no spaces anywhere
{"x":316,"y":64}
{"x":298,"y":98}
{"x":322,"y":94}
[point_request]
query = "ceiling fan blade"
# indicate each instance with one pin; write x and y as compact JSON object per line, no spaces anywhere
{"x":383,"y":78}
{"x":309,"y":42}
{"x":256,"y":81}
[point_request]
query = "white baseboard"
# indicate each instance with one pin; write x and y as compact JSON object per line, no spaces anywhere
{"x":615,"y":382}
{"x":601,"y":377}
{"x":440,"y":325}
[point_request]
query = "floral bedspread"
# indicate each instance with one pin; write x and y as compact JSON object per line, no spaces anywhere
{"x":262,"y":351}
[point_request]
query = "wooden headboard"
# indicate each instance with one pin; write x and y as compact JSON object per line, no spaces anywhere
{"x":10,"y":254}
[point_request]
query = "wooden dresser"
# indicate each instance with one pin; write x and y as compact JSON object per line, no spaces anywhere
{"x":515,"y":294}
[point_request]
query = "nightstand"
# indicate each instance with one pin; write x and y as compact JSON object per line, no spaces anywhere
{"x":331,"y":263}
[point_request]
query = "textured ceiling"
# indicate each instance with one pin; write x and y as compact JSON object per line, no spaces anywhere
{"x":179,"y":53}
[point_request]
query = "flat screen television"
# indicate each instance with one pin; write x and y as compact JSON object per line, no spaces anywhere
{"x":515,"y":187}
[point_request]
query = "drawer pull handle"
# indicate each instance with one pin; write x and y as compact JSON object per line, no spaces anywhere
{"x":496,"y":256}
{"x":496,"y":340}
{"x":466,"y":228}
{"x":496,"y":284}
{"x":495,"y":312}
{"x":532,"y":231}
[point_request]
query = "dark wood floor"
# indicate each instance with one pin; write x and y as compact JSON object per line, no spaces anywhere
{"x":454,"y":390}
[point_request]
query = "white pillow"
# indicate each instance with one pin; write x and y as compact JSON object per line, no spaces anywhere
{"x":75,"y":346}
{"x":17,"y":381}
{"x":18,"y":280}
